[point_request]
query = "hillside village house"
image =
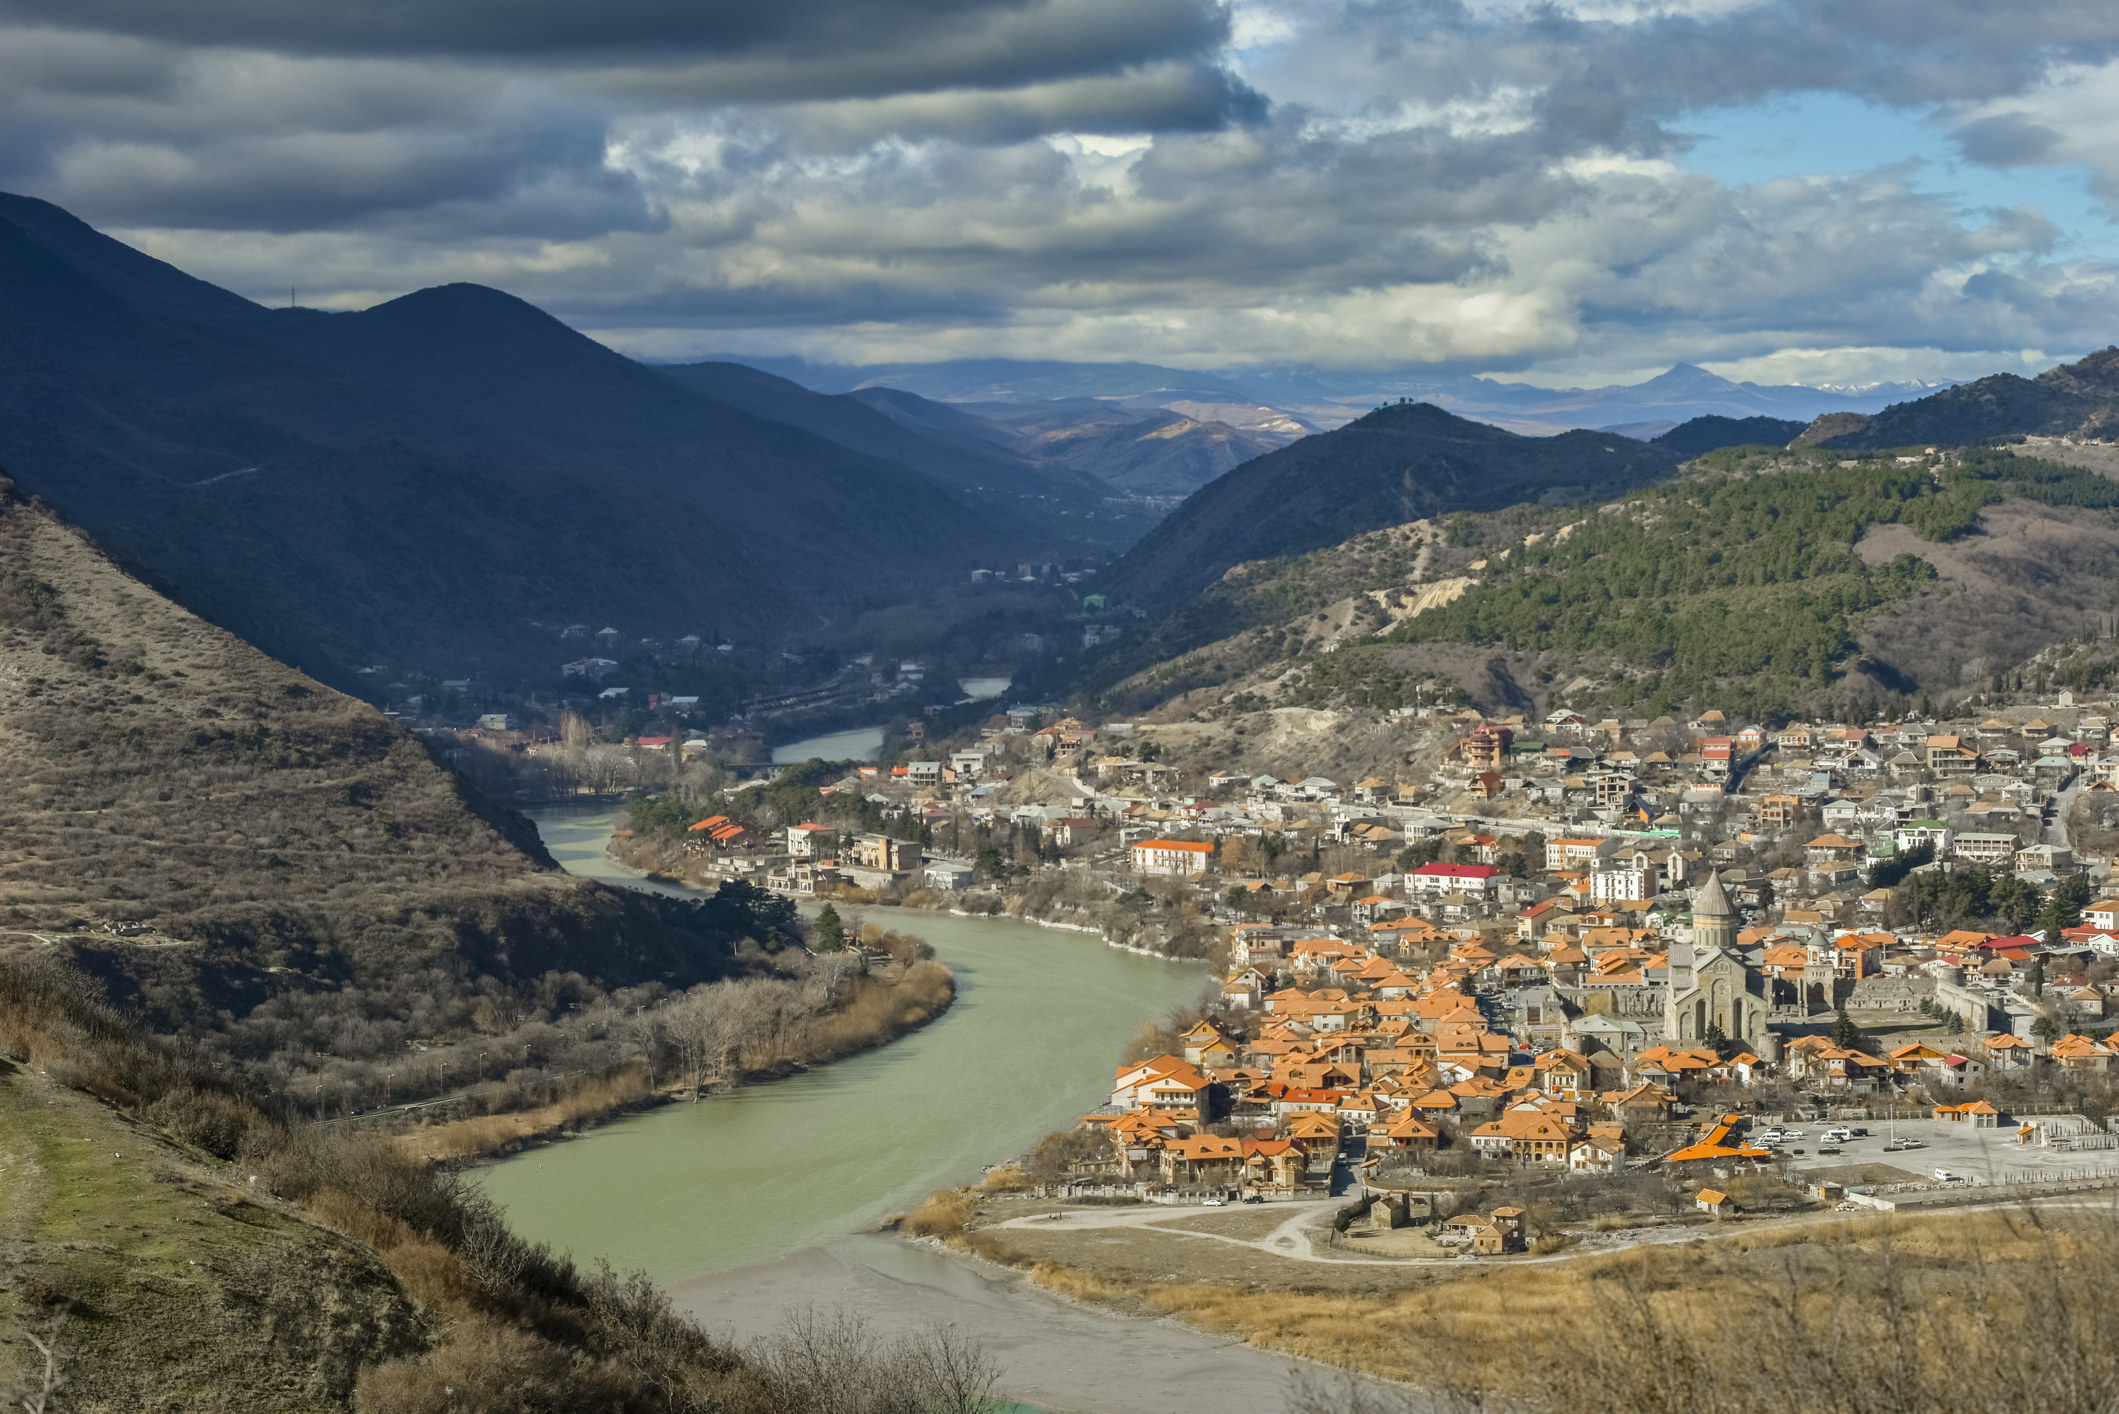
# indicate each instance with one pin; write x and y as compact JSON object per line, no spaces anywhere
{"x":809,"y":840}
{"x":1454,"y":878}
{"x":1180,"y":859}
{"x":881,"y":852}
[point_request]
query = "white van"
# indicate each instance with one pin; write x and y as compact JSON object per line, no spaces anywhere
{"x":1839,"y":1136}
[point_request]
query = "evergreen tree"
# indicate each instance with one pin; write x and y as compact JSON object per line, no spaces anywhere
{"x":1845,"y":1034}
{"x":829,"y":932}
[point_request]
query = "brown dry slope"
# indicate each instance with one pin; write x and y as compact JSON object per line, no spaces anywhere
{"x":2033,"y":575}
{"x":250,"y":858}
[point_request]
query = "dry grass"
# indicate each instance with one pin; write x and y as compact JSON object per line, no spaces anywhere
{"x":280,"y":874}
{"x":945,"y":1214}
{"x":1250,"y":1224}
{"x":875,"y":1010}
{"x":596,"y":1098}
{"x":1008,"y":1178}
{"x":1861,"y":1314}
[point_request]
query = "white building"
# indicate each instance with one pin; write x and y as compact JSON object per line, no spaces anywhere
{"x":1180,"y":859}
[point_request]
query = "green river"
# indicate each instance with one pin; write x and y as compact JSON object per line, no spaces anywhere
{"x":764,"y":1201}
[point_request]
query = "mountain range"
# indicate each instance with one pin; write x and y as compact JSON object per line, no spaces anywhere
{"x":1778,"y":572}
{"x":430,"y":480}
{"x":444,"y":480}
{"x":1324,"y":398}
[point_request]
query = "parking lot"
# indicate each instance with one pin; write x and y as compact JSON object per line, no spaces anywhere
{"x":1979,"y":1155}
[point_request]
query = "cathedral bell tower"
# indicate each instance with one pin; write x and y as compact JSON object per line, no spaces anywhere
{"x":1713,"y":917}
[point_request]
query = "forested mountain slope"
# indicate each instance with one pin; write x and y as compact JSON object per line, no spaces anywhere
{"x":2080,"y":398}
{"x":1702,"y":435}
{"x":1400,"y":463}
{"x":908,"y":429}
{"x":1757,"y":581}
{"x":419,"y":482}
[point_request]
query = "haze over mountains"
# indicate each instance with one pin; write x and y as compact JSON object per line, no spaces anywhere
{"x":1318,"y":399}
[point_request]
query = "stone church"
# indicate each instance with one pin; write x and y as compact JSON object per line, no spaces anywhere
{"x":1711,"y":986}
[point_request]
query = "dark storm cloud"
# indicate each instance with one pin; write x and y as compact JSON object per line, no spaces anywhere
{"x":2005,"y":140}
{"x":711,"y":50}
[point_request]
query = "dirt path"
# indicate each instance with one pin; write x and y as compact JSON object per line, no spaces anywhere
{"x":1290,"y":1239}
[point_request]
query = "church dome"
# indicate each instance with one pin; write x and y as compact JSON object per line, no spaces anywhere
{"x":1711,"y":901}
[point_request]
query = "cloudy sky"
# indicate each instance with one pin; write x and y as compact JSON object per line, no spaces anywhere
{"x":1573,"y":191}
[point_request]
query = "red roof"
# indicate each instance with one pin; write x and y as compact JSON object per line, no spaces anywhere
{"x":1189,"y":846}
{"x":1457,"y":871}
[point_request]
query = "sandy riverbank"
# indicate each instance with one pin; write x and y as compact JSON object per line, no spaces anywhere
{"x":1054,"y":1353}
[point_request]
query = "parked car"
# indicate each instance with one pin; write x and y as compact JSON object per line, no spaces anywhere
{"x":1838,"y":1136}
{"x":1211,"y":1203}
{"x":1945,"y":1176}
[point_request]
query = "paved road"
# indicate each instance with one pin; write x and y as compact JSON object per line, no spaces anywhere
{"x":2056,"y":831}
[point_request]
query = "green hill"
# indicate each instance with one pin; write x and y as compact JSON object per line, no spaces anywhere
{"x":1758,"y":581}
{"x":1702,"y":435}
{"x":167,"y":1281}
{"x":167,"y":1245}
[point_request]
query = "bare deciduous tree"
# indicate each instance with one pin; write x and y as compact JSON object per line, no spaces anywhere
{"x":36,"y":1395}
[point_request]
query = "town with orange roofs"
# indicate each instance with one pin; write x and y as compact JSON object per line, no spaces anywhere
{"x":1707,"y":968}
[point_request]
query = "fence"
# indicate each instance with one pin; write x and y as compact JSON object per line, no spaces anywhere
{"x":2018,"y":1183}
